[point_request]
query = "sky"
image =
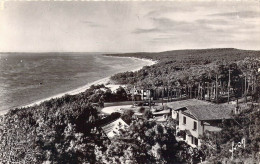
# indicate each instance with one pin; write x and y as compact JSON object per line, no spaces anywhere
{"x":128,"y":26}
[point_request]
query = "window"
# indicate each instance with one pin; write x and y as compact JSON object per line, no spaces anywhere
{"x":184,"y":120}
{"x":184,"y":136}
{"x":195,"y":125}
{"x":196,"y":141}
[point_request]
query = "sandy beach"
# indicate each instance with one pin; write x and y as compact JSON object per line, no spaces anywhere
{"x":105,"y":81}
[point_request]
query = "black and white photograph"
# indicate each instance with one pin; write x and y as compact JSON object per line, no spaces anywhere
{"x":130,"y":82}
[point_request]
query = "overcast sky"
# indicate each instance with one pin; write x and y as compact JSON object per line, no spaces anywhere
{"x":128,"y":26}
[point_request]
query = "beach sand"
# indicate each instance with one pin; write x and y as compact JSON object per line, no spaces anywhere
{"x":106,"y":81}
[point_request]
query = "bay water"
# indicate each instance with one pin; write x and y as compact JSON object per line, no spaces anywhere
{"x":28,"y":77}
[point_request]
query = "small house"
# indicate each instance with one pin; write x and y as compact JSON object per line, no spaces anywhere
{"x":195,"y":120}
{"x":113,"y":128}
{"x":141,"y":94}
{"x":177,"y":105}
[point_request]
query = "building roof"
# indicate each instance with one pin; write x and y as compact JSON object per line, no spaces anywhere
{"x":160,"y":119}
{"x":114,"y":126}
{"x":167,"y":111}
{"x":176,"y":105}
{"x":211,"y":112}
{"x":213,"y":128}
{"x":108,"y":127}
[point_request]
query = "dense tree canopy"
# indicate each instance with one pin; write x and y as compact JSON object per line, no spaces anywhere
{"x":209,"y":71}
{"x":217,"y":145}
{"x":59,"y":130}
{"x":148,"y":142}
{"x":66,"y":130}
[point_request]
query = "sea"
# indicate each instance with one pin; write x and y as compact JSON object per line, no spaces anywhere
{"x":28,"y":77}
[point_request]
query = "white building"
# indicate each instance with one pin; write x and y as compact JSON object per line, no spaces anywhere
{"x":195,"y":120}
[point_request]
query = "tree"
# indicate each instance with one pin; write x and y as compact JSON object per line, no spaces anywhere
{"x":127,"y":116}
{"x":57,"y":131}
{"x":216,"y":145}
{"x":256,"y":94}
{"x":147,"y":114}
{"x":121,"y":94}
{"x":147,"y":142}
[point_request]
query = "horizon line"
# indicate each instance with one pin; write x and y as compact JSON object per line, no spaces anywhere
{"x":122,"y":52}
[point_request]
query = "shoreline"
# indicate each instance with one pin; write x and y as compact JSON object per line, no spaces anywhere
{"x":81,"y":89}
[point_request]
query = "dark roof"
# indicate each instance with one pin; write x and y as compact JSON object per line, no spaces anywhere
{"x":211,"y":112}
{"x":176,"y":105}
